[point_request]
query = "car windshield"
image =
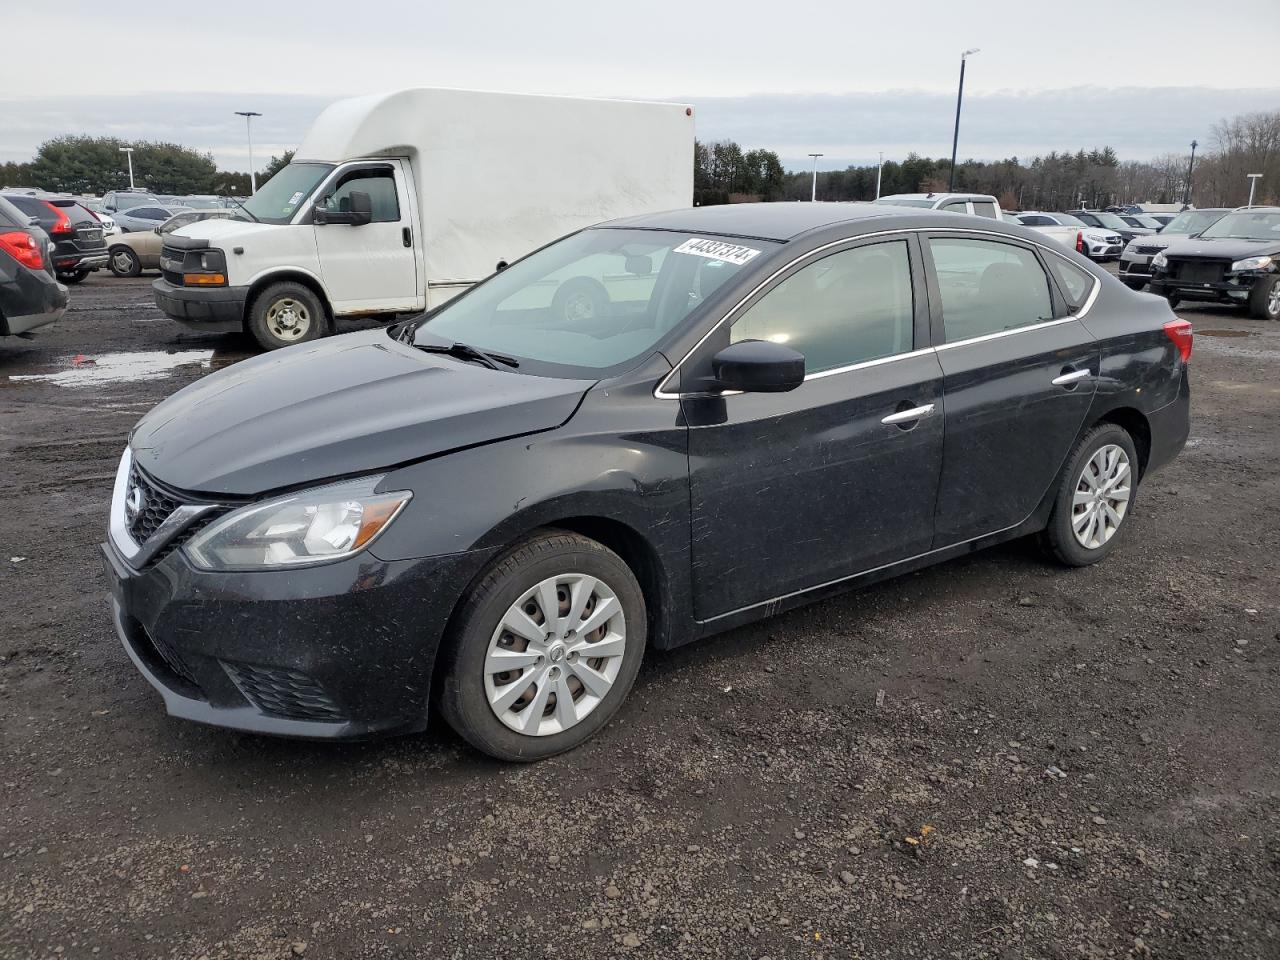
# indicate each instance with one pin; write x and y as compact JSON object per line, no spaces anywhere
{"x":1111,"y":221}
{"x":1151,"y":223}
{"x":1191,"y":222}
{"x":594,"y":300}
{"x":1067,"y":220}
{"x":905,"y":202}
{"x":1246,"y":225}
{"x":278,"y":199}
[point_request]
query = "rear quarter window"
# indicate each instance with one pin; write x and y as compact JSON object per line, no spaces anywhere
{"x":1074,"y":282}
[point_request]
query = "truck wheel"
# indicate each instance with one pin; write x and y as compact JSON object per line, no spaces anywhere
{"x":284,"y":314}
{"x":73,"y":276}
{"x":1264,"y":299}
{"x":545,"y":648}
{"x":124,"y":262}
{"x":580,"y":299}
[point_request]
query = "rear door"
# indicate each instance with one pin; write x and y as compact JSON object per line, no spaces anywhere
{"x":371,"y":268}
{"x":793,"y":490}
{"x":1019,"y":374}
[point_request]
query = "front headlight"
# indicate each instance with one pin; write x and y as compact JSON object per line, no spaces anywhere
{"x":312,"y":526}
{"x":1160,"y":260}
{"x":1253,"y":263}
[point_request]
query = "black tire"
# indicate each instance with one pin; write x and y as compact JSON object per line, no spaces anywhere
{"x":73,"y":276}
{"x":1264,"y":299}
{"x":1134,"y":284}
{"x":1173,"y":301}
{"x":123,"y":261}
{"x":1059,"y":538}
{"x":284,"y":298}
{"x":581,"y":299}
{"x":461,"y":690}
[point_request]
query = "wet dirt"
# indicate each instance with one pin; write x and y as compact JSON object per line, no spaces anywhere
{"x":1096,"y":752}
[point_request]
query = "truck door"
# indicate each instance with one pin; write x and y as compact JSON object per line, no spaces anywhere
{"x":373,"y":267}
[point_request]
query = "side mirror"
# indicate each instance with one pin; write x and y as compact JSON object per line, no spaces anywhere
{"x":500,"y":266}
{"x":359,"y":212}
{"x":158,"y":232}
{"x":758,"y":366}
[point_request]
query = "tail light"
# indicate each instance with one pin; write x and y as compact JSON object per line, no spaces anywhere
{"x":1079,"y":241}
{"x":1179,"y":331}
{"x":62,"y":225}
{"x":23,"y":248}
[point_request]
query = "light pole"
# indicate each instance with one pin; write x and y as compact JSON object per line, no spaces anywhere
{"x":1253,"y":182}
{"x":955,"y":136}
{"x":813,"y":194}
{"x":128,"y":151}
{"x":879,"y":170}
{"x":248,"y":126}
{"x":1186,"y":191}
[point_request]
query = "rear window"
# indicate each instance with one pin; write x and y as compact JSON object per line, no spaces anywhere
{"x":984,"y":208}
{"x":32,"y":207}
{"x":74,"y":211}
{"x":1074,"y":282}
{"x":11,"y":216}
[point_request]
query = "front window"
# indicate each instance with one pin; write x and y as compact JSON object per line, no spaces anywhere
{"x":379,"y":184}
{"x":279,"y":198}
{"x":1110,"y":221}
{"x":594,"y":300}
{"x":1191,"y":222}
{"x":1246,"y":225}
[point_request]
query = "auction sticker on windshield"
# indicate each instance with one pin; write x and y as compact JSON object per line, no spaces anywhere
{"x":718,"y":250}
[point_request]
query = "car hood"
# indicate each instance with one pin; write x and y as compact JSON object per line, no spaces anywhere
{"x":221,"y":230}
{"x":1226,"y":247}
{"x":337,"y":407}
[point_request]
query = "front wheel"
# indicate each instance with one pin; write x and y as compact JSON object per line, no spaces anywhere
{"x":1264,"y":299}
{"x":73,"y":276}
{"x":284,"y":314}
{"x":545,"y":648}
{"x":1095,"y":497}
{"x":124,"y":262}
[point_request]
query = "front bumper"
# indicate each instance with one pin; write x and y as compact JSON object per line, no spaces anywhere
{"x":1225,"y":291}
{"x":1104,"y":251}
{"x":1135,"y":268}
{"x":207,"y":309}
{"x":336,"y":651}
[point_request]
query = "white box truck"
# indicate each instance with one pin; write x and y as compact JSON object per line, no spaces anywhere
{"x":396,"y":202}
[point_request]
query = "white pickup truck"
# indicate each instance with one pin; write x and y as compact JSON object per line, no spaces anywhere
{"x":1094,"y":242}
{"x":396,"y":202}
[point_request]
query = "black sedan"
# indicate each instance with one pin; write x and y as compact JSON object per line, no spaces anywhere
{"x":1234,"y":260}
{"x":641,"y":434}
{"x":30,"y":297}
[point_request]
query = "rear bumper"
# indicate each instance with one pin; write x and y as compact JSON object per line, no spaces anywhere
{"x":210,"y":310}
{"x":67,"y":263}
{"x":28,"y":299}
{"x":1170,"y":426}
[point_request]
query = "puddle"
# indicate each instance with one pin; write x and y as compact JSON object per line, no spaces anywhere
{"x":1225,"y":333}
{"x":85,"y":371}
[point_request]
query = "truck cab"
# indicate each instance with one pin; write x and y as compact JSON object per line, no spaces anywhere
{"x":394,"y":203}
{"x":975,"y":204}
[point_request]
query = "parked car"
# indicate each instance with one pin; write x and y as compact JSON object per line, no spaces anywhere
{"x":1135,"y":261}
{"x":343,"y":235}
{"x":146,"y":217}
{"x":1112,"y":222}
{"x":1142,"y":222}
{"x":1164,"y":219}
{"x":978,"y":204}
{"x":30,"y":295}
{"x":79,"y":246}
{"x":1074,"y":234}
{"x":498,"y":506}
{"x":1234,"y":260}
{"x":118,"y":200}
{"x":134,"y":252}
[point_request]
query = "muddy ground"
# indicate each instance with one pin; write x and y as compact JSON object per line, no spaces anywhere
{"x":756,"y":794}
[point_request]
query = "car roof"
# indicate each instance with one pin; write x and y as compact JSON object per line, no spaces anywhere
{"x":768,"y":221}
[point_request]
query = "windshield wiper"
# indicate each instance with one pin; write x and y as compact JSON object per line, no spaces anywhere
{"x":464,"y":351}
{"x":237,"y":202}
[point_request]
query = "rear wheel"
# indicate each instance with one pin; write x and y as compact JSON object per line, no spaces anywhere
{"x":1095,"y":498}
{"x":73,"y":276}
{"x":284,"y":314}
{"x":1264,"y":299}
{"x":124,"y":262}
{"x":545,"y":648}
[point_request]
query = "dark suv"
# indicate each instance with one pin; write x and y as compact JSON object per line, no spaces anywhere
{"x":76,"y":232}
{"x":1109,"y":221}
{"x":1235,"y":260}
{"x":30,"y":297}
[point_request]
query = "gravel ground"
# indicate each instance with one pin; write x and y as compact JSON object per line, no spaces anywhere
{"x":994,"y":758}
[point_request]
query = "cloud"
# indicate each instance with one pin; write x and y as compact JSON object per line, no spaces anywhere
{"x":1138,"y":123}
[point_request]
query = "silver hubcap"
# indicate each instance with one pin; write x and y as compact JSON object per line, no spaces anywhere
{"x":1273,"y":299}
{"x":555,"y":654}
{"x":123,"y":261}
{"x":288,"y":319}
{"x":1102,"y":497}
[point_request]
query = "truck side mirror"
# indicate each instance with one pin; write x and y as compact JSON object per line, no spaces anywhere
{"x":361,"y":208}
{"x":357,"y":210}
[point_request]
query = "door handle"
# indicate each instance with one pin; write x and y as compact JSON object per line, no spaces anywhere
{"x":407,"y":236}
{"x":907,"y":416}
{"x":1070,"y":377}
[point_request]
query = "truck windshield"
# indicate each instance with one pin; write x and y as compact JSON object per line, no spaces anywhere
{"x":1246,"y":225}
{"x":594,"y":300}
{"x":1191,"y":221}
{"x":278,"y":199}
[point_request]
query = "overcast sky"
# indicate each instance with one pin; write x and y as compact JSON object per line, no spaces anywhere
{"x":845,"y":78}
